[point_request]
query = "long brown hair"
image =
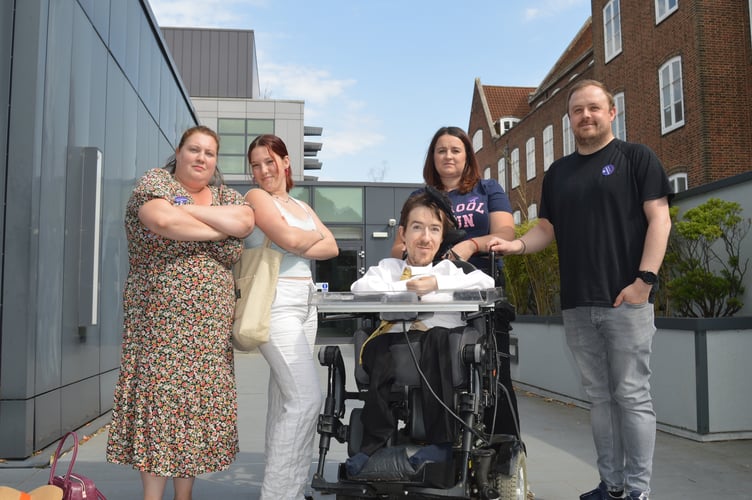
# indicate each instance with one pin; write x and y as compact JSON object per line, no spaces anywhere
{"x":470,"y":174}
{"x":273,"y":144}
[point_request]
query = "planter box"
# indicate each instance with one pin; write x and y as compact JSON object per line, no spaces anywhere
{"x":701,"y":372}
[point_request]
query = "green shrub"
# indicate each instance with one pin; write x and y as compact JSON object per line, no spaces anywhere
{"x":532,"y":280}
{"x":703,"y":269}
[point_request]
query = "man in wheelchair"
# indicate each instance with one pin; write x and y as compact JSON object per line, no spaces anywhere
{"x":422,"y":227}
{"x":428,"y":376}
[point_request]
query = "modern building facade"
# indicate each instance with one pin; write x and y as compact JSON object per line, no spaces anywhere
{"x":680,"y":73}
{"x":91,"y":99}
{"x":220,"y":71}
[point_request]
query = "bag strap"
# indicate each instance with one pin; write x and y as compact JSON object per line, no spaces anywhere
{"x":267,"y":242}
{"x":57,"y":455}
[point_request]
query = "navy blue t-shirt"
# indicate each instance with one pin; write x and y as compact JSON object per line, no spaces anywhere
{"x":473,"y":210}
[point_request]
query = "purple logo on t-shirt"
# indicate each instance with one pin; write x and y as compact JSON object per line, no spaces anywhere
{"x":608,"y":170}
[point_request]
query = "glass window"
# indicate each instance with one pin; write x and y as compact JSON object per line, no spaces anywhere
{"x":235,"y":135}
{"x":517,"y":217}
{"x":548,"y":147}
{"x":478,"y":140}
{"x":505,"y":124}
{"x":231,"y":126}
{"x":530,"y":157}
{"x":678,"y":182}
{"x":339,"y":204}
{"x":672,"y":97}
{"x":515,"y":161}
{"x":664,"y":8}
{"x":232,"y":145}
{"x":567,"y":136}
{"x":619,"y":126}
{"x":612,"y":29}
{"x":487,"y":173}
{"x":502,"y":173}
{"x":302,"y":193}
{"x":532,"y":211}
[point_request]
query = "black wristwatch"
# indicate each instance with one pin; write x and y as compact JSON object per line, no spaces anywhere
{"x":648,"y":277}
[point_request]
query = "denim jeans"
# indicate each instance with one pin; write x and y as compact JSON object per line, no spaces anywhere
{"x":611,"y":347}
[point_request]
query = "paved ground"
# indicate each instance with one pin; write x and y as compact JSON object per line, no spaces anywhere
{"x":560,"y":454}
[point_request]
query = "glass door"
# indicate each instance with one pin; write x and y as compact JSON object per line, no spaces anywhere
{"x":336,"y":275}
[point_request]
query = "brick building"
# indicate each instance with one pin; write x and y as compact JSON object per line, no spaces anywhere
{"x":681,"y":72}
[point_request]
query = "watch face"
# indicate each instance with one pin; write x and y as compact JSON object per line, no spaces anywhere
{"x":648,"y":277}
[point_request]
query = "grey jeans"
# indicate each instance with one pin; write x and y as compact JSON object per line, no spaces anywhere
{"x":611,"y":347}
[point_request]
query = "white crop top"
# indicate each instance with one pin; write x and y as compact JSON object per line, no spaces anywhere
{"x":292,"y":266}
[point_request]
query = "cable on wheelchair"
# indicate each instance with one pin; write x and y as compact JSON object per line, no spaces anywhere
{"x":433,"y":393}
{"x":496,"y":384}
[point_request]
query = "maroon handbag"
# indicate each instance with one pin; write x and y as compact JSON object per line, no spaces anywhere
{"x":74,"y":486}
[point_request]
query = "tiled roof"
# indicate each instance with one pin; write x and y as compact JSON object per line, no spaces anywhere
{"x":580,"y":45}
{"x":507,"y":101}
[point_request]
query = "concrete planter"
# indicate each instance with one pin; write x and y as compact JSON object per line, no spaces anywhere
{"x":701,"y":372}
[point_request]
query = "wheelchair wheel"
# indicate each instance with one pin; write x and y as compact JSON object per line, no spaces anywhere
{"x":514,"y":487}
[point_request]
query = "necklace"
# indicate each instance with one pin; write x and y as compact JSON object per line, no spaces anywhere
{"x":280,"y":199}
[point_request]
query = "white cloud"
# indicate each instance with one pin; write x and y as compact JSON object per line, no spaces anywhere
{"x":204,"y":13}
{"x":316,"y":86}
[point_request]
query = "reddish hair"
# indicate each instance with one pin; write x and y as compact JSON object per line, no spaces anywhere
{"x":273,"y":144}
{"x":470,"y":174}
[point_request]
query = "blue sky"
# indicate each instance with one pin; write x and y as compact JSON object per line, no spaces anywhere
{"x":380,"y":76}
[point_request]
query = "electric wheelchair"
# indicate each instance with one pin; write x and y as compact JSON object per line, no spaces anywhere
{"x":484,"y":464}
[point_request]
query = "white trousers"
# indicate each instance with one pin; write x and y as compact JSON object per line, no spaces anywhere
{"x":294,"y":392}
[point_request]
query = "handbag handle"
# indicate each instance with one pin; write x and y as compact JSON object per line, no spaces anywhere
{"x":57,"y":455}
{"x":267,"y":242}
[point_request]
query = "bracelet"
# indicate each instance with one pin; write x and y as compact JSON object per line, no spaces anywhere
{"x":524,"y":247}
{"x":477,"y":248}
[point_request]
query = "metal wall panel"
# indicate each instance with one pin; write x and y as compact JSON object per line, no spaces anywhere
{"x":215,"y":62}
{"x":89,"y":75}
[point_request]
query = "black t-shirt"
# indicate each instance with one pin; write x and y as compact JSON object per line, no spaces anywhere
{"x":595,"y":205}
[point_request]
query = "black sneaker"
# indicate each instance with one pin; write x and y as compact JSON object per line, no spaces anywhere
{"x":602,"y":493}
{"x":637,"y":495}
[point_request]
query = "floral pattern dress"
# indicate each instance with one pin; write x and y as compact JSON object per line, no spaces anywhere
{"x":175,"y":404}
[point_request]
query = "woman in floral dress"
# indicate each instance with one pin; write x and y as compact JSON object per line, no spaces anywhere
{"x":175,"y":406}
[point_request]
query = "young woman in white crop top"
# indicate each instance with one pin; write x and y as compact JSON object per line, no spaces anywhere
{"x":294,"y":393}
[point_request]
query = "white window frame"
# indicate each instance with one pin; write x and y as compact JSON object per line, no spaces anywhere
{"x":487,"y":173}
{"x":502,"y":173}
{"x":548,"y":147}
{"x":514,"y":160}
{"x":664,"y":8}
{"x":517,"y":215}
{"x":677,"y":181}
{"x":670,"y":83}
{"x":504,"y":121}
{"x":567,"y":136}
{"x":478,"y":140}
{"x":530,"y":158}
{"x":619,"y":125}
{"x":612,"y":29}
{"x":532,"y":211}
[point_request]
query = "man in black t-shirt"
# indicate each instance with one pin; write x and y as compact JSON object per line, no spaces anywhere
{"x":607,"y":205}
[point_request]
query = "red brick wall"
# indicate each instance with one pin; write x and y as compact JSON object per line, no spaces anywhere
{"x":713,"y":40}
